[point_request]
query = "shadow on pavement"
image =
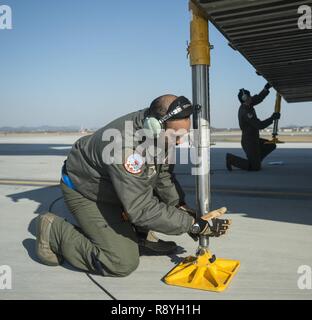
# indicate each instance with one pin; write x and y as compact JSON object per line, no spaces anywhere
{"x":293,"y":178}
{"x":45,"y":197}
{"x":15,"y":149}
{"x":30,"y":246}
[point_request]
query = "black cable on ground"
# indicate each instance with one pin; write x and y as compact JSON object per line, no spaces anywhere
{"x":102,"y":288}
{"x":88,"y":275}
{"x":53,"y":203}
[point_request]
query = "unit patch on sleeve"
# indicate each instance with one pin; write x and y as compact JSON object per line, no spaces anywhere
{"x":134,"y":163}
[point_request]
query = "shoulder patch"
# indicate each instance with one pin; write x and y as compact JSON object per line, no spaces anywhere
{"x":249,"y":115}
{"x":134,"y":163}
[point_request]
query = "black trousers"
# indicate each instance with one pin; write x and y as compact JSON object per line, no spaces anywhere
{"x":256,"y":151}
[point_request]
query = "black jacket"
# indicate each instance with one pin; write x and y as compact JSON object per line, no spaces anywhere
{"x":248,"y":120}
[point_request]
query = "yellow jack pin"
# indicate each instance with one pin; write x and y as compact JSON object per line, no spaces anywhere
{"x":278,"y":105}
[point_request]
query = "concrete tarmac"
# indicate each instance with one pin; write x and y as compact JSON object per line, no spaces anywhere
{"x":271,"y":233}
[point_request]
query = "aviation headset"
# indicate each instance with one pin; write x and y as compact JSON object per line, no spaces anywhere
{"x":180,"y":108}
{"x":243,"y":95}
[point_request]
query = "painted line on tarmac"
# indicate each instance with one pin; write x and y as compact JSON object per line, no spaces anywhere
{"x":31,"y":183}
{"x":256,"y":192}
{"x":49,"y":183}
{"x":268,"y":193}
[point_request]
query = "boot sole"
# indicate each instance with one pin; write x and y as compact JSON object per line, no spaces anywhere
{"x":39,"y":220}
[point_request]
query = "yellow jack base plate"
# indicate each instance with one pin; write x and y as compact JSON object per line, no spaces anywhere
{"x":274,"y":141}
{"x":203,"y":272}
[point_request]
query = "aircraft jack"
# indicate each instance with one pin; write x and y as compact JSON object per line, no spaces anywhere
{"x":203,"y":272}
{"x":278,"y":104}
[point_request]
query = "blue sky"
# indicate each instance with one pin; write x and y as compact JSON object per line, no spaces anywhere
{"x":76,"y":62}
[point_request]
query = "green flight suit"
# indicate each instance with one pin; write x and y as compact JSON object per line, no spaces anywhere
{"x":103,"y":192}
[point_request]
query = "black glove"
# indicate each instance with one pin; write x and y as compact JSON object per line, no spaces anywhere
{"x":219,"y":227}
{"x":202,"y":227}
{"x":268,"y":86}
{"x":276,"y":116}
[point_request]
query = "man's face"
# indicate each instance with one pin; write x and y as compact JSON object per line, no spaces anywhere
{"x":249,"y":100}
{"x":176,"y":129}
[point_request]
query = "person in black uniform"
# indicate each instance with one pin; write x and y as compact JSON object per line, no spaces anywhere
{"x":255,"y":148}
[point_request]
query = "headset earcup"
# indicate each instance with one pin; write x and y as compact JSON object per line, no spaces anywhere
{"x":152,"y":126}
{"x":242,"y":95}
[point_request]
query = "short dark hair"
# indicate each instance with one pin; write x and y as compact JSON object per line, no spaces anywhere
{"x":159,"y":106}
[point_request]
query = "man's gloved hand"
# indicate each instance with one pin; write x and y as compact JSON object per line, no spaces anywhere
{"x":184,"y":207}
{"x":217,"y":228}
{"x":276,"y":116}
{"x":268,"y":86}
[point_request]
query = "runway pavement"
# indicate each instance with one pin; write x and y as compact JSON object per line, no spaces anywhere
{"x":271,"y":233}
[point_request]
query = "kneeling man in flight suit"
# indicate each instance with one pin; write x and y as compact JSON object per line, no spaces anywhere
{"x":112,"y":201}
{"x":255,"y":148}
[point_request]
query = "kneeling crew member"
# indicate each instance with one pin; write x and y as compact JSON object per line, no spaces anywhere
{"x":255,"y":148}
{"x":107,"y":200}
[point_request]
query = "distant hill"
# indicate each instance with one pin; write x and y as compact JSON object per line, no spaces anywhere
{"x":79,"y":129}
{"x":40,"y":129}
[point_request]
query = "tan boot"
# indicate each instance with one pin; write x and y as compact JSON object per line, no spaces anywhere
{"x":43,"y":249}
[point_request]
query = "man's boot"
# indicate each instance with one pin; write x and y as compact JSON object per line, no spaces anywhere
{"x":150,"y":244}
{"x":43,"y":249}
{"x":228,"y":162}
